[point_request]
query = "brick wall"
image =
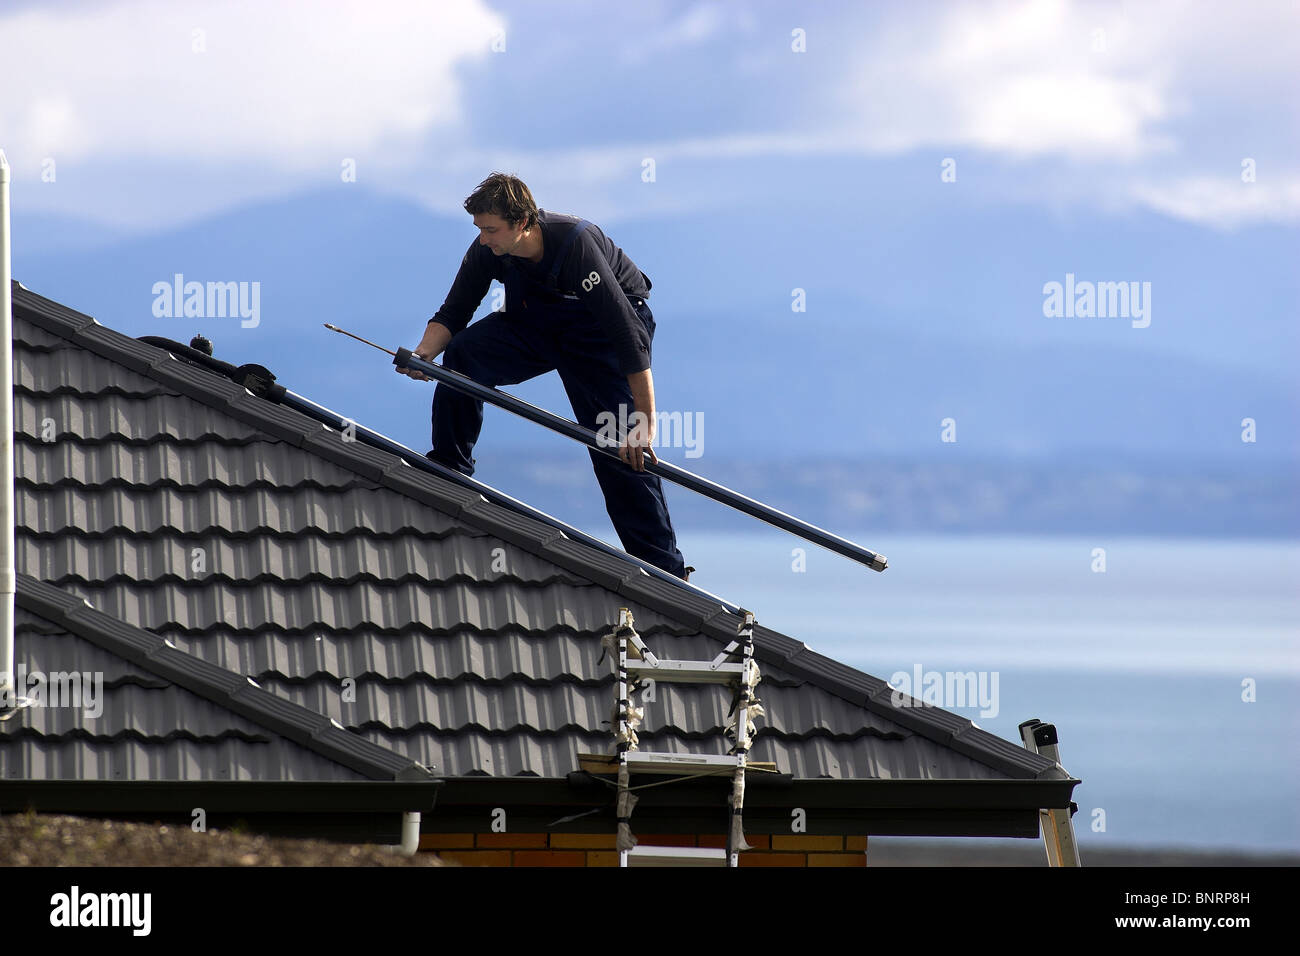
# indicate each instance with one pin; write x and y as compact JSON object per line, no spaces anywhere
{"x":597,"y":849}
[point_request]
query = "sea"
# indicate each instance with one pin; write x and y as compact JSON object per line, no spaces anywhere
{"x":1170,"y":666}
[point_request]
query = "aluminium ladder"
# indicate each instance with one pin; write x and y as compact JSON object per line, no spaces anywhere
{"x":1056,"y":823}
{"x":734,"y":665}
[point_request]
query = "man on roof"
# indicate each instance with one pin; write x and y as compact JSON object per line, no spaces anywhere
{"x":574,"y":303}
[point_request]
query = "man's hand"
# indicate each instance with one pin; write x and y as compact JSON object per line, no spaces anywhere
{"x":436,"y":337}
{"x":641,"y":423}
{"x":636,"y":444}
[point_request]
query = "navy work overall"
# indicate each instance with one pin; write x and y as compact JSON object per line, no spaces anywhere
{"x":544,"y":328}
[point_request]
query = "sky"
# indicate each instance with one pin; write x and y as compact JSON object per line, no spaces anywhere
{"x":157,"y":112}
{"x":917,"y":175}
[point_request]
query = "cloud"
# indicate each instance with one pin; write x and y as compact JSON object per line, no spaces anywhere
{"x":1223,"y":203}
{"x":292,"y":85}
{"x":700,"y":23}
{"x":1132,"y":97}
{"x":1107,"y":103}
{"x":1110,"y":103}
{"x":1131,"y":102}
{"x":1021,"y":79}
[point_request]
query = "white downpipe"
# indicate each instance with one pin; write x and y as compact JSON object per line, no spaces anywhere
{"x":8,"y":580}
{"x":410,"y":833}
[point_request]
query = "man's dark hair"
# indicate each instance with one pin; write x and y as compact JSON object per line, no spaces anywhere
{"x":505,"y":196}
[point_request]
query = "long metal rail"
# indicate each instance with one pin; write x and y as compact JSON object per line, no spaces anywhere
{"x":404,"y":358}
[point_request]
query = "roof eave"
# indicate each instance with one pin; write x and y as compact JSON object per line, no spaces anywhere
{"x":168,"y":797}
{"x":971,"y":808}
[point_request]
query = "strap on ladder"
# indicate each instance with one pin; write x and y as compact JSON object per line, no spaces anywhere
{"x":744,"y":723}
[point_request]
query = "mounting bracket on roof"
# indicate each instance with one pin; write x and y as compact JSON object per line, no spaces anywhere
{"x":258,"y":379}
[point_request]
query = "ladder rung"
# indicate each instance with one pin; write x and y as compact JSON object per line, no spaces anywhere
{"x":641,"y":761}
{"x":676,"y":856}
{"x":687,"y":672}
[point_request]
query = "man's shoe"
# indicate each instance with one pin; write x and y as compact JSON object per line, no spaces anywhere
{"x":686,"y":573}
{"x":433,"y":457}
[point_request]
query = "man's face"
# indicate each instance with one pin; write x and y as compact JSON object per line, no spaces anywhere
{"x":497,"y":234}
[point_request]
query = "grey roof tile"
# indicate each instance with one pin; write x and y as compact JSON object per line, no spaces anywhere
{"x":275,"y":513}
{"x":74,"y":371}
{"x":129,"y":419}
{"x":157,"y":714}
{"x":308,"y":555}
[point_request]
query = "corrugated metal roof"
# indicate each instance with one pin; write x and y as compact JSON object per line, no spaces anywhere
{"x":325,"y":561}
